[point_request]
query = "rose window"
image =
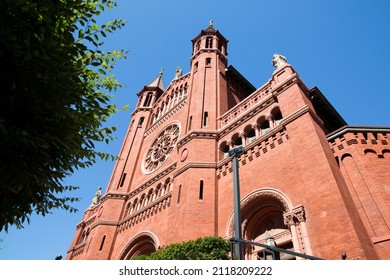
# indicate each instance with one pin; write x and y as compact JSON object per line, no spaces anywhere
{"x":162,"y":147}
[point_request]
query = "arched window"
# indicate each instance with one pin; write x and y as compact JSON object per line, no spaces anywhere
{"x":277,"y":116}
{"x":209,"y":42}
{"x":250,"y":133}
{"x":223,"y":150}
{"x":237,"y":140}
{"x":196,"y":67}
{"x":264,"y":126}
{"x":148,"y":99}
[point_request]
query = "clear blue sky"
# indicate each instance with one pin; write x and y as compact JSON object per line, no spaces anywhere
{"x":343,"y":47}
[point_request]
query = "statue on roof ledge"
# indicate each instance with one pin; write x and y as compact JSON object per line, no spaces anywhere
{"x":278,"y":60}
{"x":178,"y":72}
{"x":211,"y":24}
{"x":97,"y":197}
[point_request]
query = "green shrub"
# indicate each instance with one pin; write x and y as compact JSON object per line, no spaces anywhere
{"x":203,"y":248}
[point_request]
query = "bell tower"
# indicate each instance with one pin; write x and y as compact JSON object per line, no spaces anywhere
{"x":124,"y":170}
{"x":208,"y":93}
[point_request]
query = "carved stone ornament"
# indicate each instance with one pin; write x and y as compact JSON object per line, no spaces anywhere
{"x":161,"y":148}
{"x":278,"y":60}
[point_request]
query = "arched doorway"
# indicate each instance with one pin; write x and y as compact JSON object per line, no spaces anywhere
{"x":144,"y":243}
{"x":267,"y":214}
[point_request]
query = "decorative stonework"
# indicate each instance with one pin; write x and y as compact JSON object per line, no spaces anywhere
{"x":166,"y":116}
{"x":148,"y":211}
{"x":252,"y":202}
{"x":197,"y":134}
{"x":161,"y":148}
{"x":255,"y":149}
{"x":153,"y":180}
{"x":297,"y":215}
{"x":184,"y":155}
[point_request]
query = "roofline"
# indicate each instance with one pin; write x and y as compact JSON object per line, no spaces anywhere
{"x":347,"y":128}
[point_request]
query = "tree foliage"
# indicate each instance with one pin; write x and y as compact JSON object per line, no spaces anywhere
{"x":56,"y":83}
{"x":203,"y":248}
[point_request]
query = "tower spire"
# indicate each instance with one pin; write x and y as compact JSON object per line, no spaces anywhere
{"x":158,"y":81}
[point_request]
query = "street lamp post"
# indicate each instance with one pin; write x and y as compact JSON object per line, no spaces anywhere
{"x":233,"y":153}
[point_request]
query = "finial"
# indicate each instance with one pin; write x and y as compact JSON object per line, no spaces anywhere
{"x":279,"y":60}
{"x":161,"y":71}
{"x":211,"y":24}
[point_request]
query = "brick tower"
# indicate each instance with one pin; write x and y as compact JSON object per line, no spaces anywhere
{"x":314,"y":184}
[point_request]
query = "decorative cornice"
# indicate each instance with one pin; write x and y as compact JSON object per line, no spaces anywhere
{"x":211,"y":165}
{"x":287,"y":83}
{"x":112,"y":195}
{"x":197,"y":134}
{"x":346,"y":129}
{"x":142,"y":109}
{"x":105,"y":223}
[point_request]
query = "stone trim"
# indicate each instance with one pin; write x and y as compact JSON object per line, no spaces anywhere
{"x":156,"y":178}
{"x":251,"y":113}
{"x":259,"y":146}
{"x":166,"y":116}
{"x":197,"y":134}
{"x":110,"y":195}
{"x":153,"y":208}
{"x":211,"y":165}
{"x":105,"y":223}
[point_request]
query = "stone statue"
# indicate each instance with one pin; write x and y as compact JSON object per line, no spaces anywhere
{"x":279,"y":60}
{"x":96,"y":198}
{"x":211,"y":24}
{"x":178,"y":72}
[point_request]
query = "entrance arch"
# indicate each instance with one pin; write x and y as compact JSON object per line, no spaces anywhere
{"x":269,"y":213}
{"x":144,"y":243}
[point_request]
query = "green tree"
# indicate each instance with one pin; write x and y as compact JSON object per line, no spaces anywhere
{"x":56,"y":86}
{"x":203,"y":248}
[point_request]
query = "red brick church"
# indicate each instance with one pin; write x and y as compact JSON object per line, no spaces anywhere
{"x":313,"y":183}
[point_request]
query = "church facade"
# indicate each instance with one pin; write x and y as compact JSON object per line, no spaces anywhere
{"x":313,"y":183}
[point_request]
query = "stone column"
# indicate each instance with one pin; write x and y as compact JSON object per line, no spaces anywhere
{"x":230,"y":144}
{"x":299,"y":214}
{"x":289,"y":221}
{"x":256,"y":127}
{"x":270,"y":119}
{"x":243,"y":137}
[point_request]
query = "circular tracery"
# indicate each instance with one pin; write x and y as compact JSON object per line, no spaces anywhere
{"x":161,"y":148}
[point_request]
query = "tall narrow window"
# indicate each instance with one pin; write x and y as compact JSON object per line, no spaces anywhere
{"x":102,"y":244}
{"x":178,"y":195}
{"x":141,"y":121}
{"x":201,"y":190}
{"x":122,"y":181}
{"x":189,"y":123}
{"x":148,"y":99}
{"x":209,"y":42}
{"x":208,"y":61}
{"x":205,"y":118}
